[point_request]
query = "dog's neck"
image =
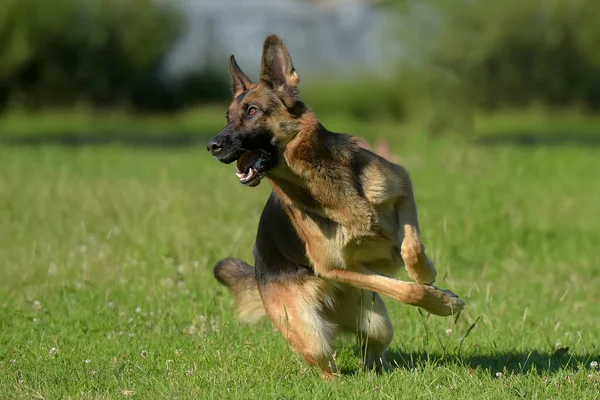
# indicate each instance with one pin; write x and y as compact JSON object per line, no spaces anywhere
{"x":317,"y":175}
{"x":289,"y":181}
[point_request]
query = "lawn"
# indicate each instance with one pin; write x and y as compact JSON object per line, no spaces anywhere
{"x":106,"y":256}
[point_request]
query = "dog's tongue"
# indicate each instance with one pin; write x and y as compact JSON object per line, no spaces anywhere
{"x":246,"y":161}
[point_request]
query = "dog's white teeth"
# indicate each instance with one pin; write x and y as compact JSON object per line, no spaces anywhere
{"x":244,"y":177}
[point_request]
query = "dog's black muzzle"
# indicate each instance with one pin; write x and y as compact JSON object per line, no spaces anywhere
{"x":225,"y":146}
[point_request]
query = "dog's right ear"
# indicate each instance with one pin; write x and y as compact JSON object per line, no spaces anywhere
{"x":277,"y":69}
{"x":241,"y":83}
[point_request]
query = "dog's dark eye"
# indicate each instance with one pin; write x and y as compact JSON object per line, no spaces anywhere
{"x":251,"y":110}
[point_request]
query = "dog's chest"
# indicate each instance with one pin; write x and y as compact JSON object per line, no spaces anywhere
{"x":380,"y":249}
{"x":370,"y":250}
{"x":331,"y":245}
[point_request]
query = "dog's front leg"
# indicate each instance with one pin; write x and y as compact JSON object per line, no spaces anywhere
{"x":418,"y":266}
{"x":436,"y":301}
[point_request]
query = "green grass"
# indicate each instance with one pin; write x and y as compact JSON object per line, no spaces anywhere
{"x":117,"y":245}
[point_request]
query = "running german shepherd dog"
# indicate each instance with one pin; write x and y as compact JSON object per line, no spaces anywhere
{"x":340,"y":222}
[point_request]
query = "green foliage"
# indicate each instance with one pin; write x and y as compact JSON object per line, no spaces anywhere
{"x":511,"y":53}
{"x":57,"y":53}
{"x":458,"y":55}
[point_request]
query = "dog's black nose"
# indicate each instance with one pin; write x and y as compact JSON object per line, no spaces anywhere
{"x":214,"y":146}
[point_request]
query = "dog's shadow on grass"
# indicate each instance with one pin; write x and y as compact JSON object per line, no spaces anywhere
{"x":518,"y":363}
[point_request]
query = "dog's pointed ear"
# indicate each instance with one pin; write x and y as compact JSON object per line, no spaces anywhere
{"x":277,"y":69}
{"x":241,"y":83}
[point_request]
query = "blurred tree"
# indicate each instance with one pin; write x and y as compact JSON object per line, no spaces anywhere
{"x":512,"y":53}
{"x":66,"y":51}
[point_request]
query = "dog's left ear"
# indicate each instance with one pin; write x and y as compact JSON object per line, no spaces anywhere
{"x":241,"y":83}
{"x":277,"y":69}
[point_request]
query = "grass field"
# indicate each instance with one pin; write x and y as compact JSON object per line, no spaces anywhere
{"x":106,"y":256}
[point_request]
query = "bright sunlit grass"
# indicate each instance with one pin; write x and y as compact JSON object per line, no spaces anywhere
{"x":106,"y":255}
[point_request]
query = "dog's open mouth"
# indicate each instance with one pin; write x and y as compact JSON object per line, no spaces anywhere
{"x":251,"y":167}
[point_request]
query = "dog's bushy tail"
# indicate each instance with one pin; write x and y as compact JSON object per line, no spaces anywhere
{"x":239,"y":277}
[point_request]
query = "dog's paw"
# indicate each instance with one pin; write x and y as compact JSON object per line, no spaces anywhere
{"x":378,"y":364}
{"x":442,"y":302}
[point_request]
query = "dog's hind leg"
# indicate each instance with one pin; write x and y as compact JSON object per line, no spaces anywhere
{"x":375,"y":331}
{"x":363,"y":313}
{"x":296,"y":309}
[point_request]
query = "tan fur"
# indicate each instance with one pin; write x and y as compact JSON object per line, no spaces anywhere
{"x":310,"y":314}
{"x":295,"y":310}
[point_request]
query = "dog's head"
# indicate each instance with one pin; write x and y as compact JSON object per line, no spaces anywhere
{"x":263,"y":117}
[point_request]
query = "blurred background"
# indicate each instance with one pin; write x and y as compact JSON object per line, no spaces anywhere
{"x":441,"y":63}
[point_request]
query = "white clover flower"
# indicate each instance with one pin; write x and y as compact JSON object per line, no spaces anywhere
{"x":52,"y":269}
{"x":37,"y":306}
{"x":53,"y":351}
{"x":214,"y":324}
{"x":499,"y":374}
{"x":594,"y":365}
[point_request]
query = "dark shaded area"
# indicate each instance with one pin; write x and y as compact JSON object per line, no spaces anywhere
{"x":153,"y":94}
{"x":539,"y":139}
{"x":518,"y":363}
{"x":79,"y":139}
{"x":188,"y":139}
{"x":514,"y":362}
